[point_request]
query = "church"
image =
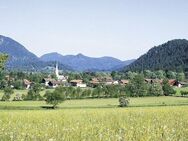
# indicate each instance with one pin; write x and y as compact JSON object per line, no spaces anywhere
{"x":59,"y":77}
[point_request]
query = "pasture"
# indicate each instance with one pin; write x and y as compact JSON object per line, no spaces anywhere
{"x":146,"y":119}
{"x":20,"y":92}
{"x":115,"y":124}
{"x":98,"y":103}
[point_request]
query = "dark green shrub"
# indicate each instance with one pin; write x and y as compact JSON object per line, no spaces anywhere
{"x":123,"y":102}
{"x":184,"y":93}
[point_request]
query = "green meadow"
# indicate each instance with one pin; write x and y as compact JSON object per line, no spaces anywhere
{"x":99,"y":103}
{"x":145,"y":119}
{"x":102,"y":124}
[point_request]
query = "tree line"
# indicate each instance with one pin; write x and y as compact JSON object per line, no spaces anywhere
{"x":137,"y":87}
{"x":158,"y":74}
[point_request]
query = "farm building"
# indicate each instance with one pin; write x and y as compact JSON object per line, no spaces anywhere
{"x":27,"y":84}
{"x":49,"y":82}
{"x":123,"y":82}
{"x":78,"y":83}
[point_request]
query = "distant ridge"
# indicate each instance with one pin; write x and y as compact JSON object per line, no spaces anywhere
{"x":172,"y":55}
{"x":81,"y":62}
{"x":22,"y":59}
{"x":19,"y":56}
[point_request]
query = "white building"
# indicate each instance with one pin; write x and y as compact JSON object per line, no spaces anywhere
{"x":59,"y":77}
{"x":78,"y":83}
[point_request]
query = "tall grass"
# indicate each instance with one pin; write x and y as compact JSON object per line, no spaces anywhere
{"x":115,"y":124}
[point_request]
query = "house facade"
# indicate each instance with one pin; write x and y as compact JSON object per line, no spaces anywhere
{"x":78,"y":83}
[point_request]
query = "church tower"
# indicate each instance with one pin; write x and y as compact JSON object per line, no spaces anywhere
{"x":57,"y":70}
{"x":59,"y":77}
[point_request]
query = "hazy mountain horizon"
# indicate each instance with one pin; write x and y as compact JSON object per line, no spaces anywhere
{"x":82,"y":54}
{"x":21,"y":58}
{"x":81,"y":62}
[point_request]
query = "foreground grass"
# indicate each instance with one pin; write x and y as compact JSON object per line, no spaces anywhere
{"x":115,"y":124}
{"x":99,"y":103}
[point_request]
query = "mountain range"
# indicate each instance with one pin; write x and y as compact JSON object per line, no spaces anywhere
{"x":81,"y":62}
{"x":19,"y":56}
{"x":22,"y":59}
{"x":172,"y":55}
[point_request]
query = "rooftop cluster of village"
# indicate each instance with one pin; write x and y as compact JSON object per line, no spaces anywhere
{"x":50,"y":82}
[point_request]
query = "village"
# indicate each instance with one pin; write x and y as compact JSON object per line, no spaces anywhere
{"x":62,"y":80}
{"x":94,"y":70}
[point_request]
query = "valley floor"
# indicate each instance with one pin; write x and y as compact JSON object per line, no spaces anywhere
{"x":98,"y":103}
{"x":146,"y":119}
{"x":104,"y":124}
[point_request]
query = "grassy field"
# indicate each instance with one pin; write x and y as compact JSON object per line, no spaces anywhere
{"x":15,"y":92}
{"x":23,"y":92}
{"x":96,"y":103}
{"x":134,"y":102}
{"x":146,"y":119}
{"x":99,"y":103}
{"x":112,"y":124}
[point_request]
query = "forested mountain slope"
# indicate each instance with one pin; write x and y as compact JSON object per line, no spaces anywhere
{"x":172,"y":55}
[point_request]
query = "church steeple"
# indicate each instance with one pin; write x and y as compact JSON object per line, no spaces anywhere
{"x":59,"y":77}
{"x":57,"y":70}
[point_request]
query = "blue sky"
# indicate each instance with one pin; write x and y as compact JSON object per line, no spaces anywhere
{"x":124,"y":29}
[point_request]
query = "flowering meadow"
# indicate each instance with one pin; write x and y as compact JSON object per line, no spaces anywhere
{"x":103,"y":124}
